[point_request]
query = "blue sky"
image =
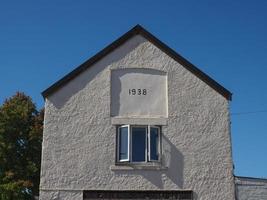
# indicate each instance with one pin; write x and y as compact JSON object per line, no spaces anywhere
{"x":41,"y":41}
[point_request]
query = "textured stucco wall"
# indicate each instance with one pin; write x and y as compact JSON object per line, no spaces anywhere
{"x":152,"y":103}
{"x":79,"y":136}
{"x":61,"y":195}
{"x":251,"y":188}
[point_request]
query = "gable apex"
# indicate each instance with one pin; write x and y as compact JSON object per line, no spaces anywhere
{"x":139,"y":30}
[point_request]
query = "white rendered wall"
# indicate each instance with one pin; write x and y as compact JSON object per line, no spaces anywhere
{"x":79,"y":133}
{"x":139,"y":92}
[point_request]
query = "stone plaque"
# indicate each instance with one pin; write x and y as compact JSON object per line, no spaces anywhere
{"x":138,"y":93}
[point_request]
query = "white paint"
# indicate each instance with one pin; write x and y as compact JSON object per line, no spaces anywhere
{"x":79,"y":139}
{"x":138,"y":93}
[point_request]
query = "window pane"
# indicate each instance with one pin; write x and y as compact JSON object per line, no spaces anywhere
{"x":154,"y":141}
{"x":123,"y":143}
{"x":138,"y":144}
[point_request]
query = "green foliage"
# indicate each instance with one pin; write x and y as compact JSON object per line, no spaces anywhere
{"x":21,"y":126}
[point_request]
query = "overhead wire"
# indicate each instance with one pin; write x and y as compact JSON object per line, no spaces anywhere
{"x":249,"y":112}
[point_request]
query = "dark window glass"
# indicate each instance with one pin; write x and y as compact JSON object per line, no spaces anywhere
{"x":154,"y":142}
{"x":123,"y":143}
{"x":138,"y":144}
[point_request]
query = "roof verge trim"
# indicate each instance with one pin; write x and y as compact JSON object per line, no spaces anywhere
{"x":134,"y":31}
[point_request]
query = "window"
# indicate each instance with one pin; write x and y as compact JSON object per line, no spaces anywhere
{"x":138,"y":143}
{"x":124,"y":143}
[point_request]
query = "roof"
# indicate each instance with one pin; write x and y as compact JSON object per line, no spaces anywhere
{"x":141,"y":31}
{"x":250,"y":178}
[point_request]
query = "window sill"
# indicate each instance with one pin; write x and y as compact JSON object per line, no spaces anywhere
{"x":130,"y":166}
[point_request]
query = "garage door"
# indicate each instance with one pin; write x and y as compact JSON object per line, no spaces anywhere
{"x":134,"y":195}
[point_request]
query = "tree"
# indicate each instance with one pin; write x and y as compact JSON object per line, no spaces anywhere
{"x":21,"y":126}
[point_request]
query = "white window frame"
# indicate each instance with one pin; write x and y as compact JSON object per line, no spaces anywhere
{"x":147,"y":150}
{"x":118,"y":144}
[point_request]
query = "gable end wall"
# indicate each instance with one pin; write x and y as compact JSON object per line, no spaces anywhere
{"x":79,"y":134}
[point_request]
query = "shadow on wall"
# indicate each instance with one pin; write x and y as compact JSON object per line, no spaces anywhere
{"x":60,"y":97}
{"x":172,"y":158}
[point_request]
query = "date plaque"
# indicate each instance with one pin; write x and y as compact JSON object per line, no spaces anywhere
{"x":138,"y":93}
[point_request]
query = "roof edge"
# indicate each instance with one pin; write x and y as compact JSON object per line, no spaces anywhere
{"x":188,"y":65}
{"x":253,"y":178}
{"x":91,"y":61}
{"x":138,"y":29}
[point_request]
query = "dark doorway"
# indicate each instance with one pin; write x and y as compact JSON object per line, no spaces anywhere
{"x":128,"y":194}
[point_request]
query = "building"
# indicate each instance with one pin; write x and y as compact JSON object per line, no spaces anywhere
{"x":248,"y":188}
{"x":137,"y":121}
